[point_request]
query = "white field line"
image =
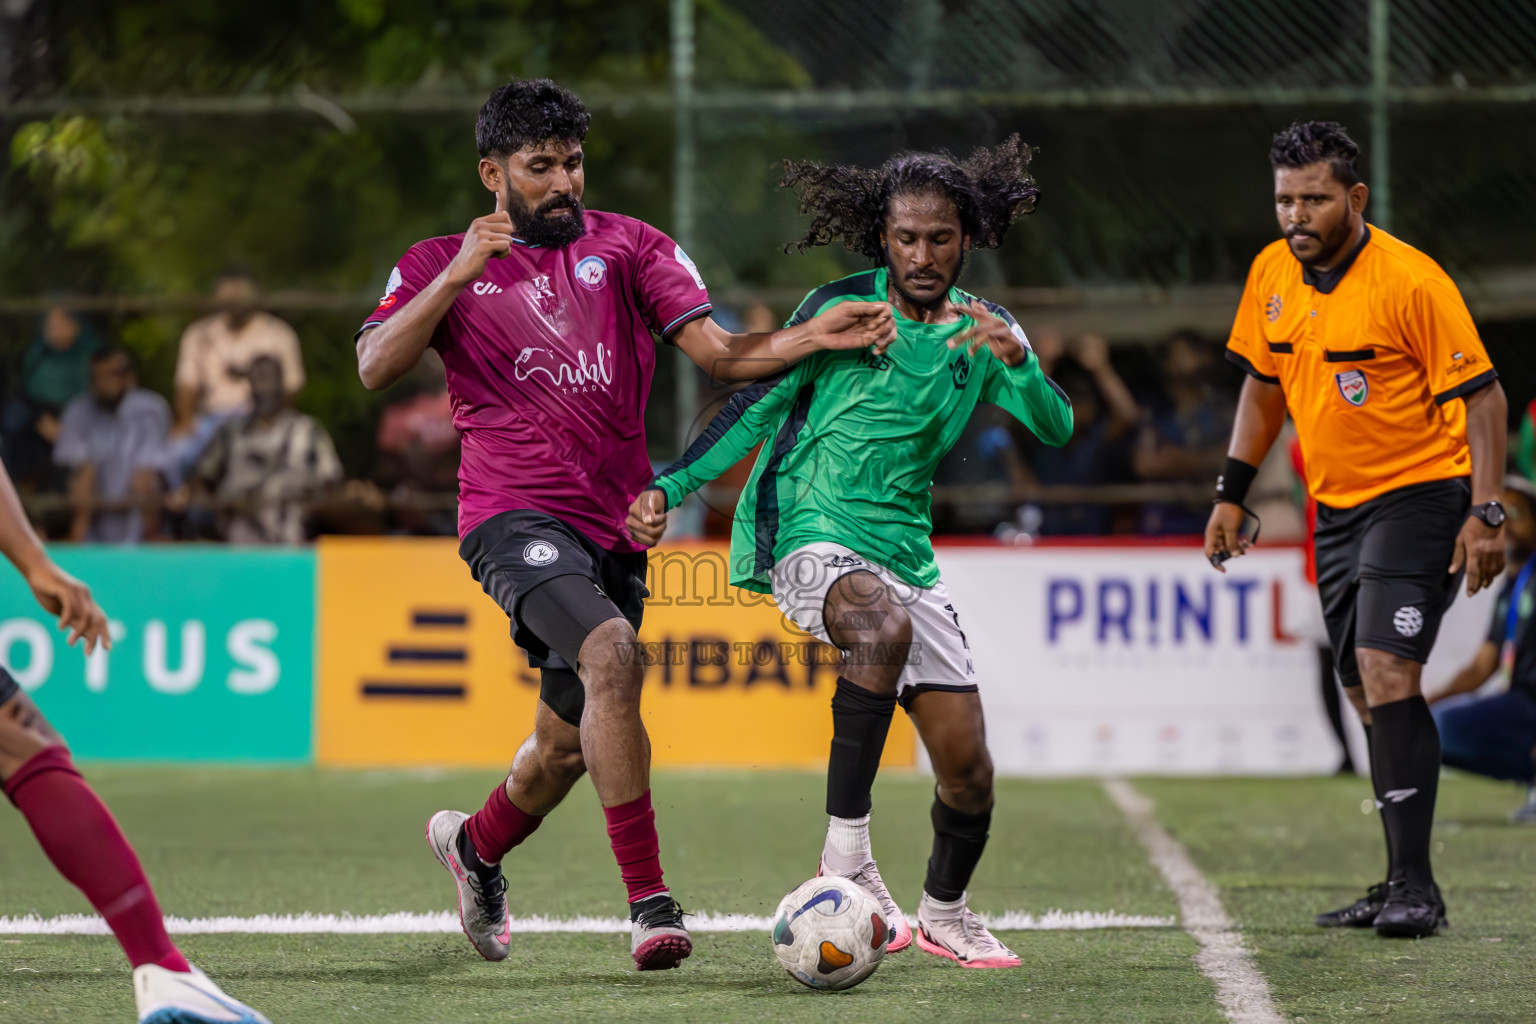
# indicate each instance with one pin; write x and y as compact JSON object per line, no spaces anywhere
{"x":448,"y":923}
{"x":1240,"y":988}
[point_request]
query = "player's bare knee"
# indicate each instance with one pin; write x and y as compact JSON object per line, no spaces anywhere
{"x":1387,"y":677}
{"x":24,"y":733}
{"x":1356,"y":695}
{"x":559,"y":754}
{"x":967,"y":786}
{"x":609,"y":677}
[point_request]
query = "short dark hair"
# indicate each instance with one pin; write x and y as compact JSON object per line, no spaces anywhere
{"x":522,"y":113}
{"x":989,"y":189}
{"x":1311,"y":142}
{"x":109,"y":352}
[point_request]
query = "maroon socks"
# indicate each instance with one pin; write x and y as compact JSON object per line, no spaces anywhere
{"x":499,"y":826}
{"x":632,"y":831}
{"x":83,"y":841}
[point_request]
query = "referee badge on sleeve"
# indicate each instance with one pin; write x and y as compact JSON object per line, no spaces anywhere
{"x":1353,"y":386}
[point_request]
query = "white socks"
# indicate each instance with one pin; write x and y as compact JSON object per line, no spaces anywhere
{"x":847,"y":844}
{"x":939,"y":909}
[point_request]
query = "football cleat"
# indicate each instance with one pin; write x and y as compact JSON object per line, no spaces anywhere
{"x":1411,"y":912}
{"x":482,"y":896}
{"x":1359,"y":914}
{"x":867,"y":875}
{"x":175,"y":997}
{"x":957,"y":933}
{"x":1525,"y":814}
{"x":658,"y":939}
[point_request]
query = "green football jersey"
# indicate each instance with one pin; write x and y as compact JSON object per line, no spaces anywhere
{"x":852,"y":439}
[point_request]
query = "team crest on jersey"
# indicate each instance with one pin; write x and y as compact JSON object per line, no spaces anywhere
{"x":1273,"y":307}
{"x":960,"y":369}
{"x":592,"y":272}
{"x":1353,"y":386}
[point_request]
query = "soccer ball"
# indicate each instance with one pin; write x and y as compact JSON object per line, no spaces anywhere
{"x":830,"y":933}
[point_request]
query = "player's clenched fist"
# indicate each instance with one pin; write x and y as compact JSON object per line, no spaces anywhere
{"x":856,"y":325}
{"x":992,"y":331}
{"x":488,"y":237}
{"x":647,"y":519}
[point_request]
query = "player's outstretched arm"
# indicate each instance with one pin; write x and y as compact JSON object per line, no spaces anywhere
{"x":57,"y":591}
{"x":388,"y":352}
{"x":739,"y":357}
{"x":1260,"y":415}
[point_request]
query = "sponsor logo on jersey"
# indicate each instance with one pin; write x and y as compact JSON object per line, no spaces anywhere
{"x":540,"y":552}
{"x":1353,"y":386}
{"x":1273,"y":307}
{"x":591,"y":272}
{"x":843,"y":561}
{"x":485,"y":288}
{"x":1408,"y":620}
{"x":682,"y":258}
{"x":388,"y":298}
{"x":875,"y":362}
{"x":587,"y":373}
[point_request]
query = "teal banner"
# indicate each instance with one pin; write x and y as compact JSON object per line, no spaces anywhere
{"x":212,"y":657}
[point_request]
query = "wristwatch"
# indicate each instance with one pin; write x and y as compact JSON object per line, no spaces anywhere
{"x":1491,"y":513}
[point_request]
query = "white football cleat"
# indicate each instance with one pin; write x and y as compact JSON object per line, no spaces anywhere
{"x":867,"y":875}
{"x":482,"y":903}
{"x":954,"y":930}
{"x":172,"y":997}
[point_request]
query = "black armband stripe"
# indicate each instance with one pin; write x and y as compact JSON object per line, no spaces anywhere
{"x":1468,"y":387}
{"x":1283,"y":347}
{"x":1352,"y":356}
{"x":1249,"y":368}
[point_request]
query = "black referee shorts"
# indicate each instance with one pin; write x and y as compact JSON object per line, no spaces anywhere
{"x":1381,"y":570}
{"x":556,"y":586}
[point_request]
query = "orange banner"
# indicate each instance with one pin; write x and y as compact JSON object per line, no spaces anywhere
{"x":417,"y":667}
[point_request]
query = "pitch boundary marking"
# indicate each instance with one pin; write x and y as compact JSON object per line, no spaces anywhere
{"x":447,"y":923}
{"x":1240,"y":988}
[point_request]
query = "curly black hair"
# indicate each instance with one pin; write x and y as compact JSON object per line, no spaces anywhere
{"x":529,"y":112}
{"x":989,"y":189}
{"x":1310,"y":142}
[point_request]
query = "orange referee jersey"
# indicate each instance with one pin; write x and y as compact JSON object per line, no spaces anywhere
{"x":1370,"y":356}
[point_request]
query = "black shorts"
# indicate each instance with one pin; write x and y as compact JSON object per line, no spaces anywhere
{"x":1381,"y":570}
{"x":513,"y":554}
{"x":8,"y":687}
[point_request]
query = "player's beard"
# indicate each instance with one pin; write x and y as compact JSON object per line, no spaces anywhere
{"x":895,"y":282}
{"x":535,"y":228}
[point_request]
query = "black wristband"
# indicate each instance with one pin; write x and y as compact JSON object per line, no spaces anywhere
{"x":1236,"y":477}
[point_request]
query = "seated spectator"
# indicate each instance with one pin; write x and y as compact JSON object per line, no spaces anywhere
{"x":55,"y":369}
{"x":112,"y":441}
{"x":418,"y":450}
{"x":263,"y":468}
{"x":212,"y":384}
{"x":1103,"y":414}
{"x":1495,"y":735}
{"x":1186,"y":440}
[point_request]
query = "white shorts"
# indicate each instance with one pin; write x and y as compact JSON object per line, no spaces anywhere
{"x":940,"y":659}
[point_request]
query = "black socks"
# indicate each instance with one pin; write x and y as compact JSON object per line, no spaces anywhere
{"x":860,"y":721}
{"x":1405,"y":770}
{"x":958,"y":841}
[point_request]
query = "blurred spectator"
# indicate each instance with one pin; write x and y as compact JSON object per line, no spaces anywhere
{"x":211,"y":380}
{"x":267,"y":465}
{"x":55,"y":369}
{"x":418,"y":449}
{"x":1186,"y":440}
{"x":985,"y":455}
{"x":113,"y":440}
{"x":1103,"y":414}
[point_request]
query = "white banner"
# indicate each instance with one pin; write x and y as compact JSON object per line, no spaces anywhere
{"x":1098,"y":660}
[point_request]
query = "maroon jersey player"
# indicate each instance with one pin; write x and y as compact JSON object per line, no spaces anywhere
{"x":544,"y":313}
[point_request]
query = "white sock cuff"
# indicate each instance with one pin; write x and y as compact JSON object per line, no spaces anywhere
{"x":848,"y":836}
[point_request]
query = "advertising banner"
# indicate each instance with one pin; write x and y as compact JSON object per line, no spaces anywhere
{"x":417,"y":666}
{"x":212,"y":656}
{"x":1145,"y":660}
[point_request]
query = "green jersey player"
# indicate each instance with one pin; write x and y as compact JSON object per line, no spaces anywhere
{"x":834,"y":520}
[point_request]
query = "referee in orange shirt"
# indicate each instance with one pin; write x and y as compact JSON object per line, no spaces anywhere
{"x":1401,"y":420}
